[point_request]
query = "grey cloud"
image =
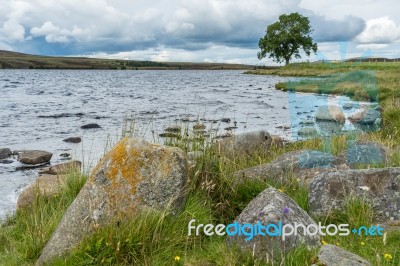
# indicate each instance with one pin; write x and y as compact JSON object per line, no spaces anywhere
{"x":329,"y":30}
{"x":87,"y":26}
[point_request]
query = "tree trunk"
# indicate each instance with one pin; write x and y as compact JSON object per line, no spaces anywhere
{"x":287,"y":61}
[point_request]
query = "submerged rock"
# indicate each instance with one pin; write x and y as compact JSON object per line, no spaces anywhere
{"x":379,"y":187}
{"x":307,"y":132}
{"x":5,"y":152}
{"x":169,"y":135}
{"x":273,"y":207}
{"x":348,"y":106}
{"x":174,"y":129}
{"x":199,"y":126}
{"x":330,"y":113}
{"x":34,"y":157}
{"x":330,"y":255}
{"x":73,"y":140}
{"x":91,"y":126}
{"x":134,"y":175}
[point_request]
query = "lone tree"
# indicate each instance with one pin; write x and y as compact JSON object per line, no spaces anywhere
{"x":286,"y":37}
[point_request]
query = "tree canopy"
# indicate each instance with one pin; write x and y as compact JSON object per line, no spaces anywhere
{"x":286,"y":37}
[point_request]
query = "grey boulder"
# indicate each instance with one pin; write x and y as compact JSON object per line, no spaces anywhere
{"x":258,"y":141}
{"x":369,"y":117}
{"x":379,"y":187}
{"x":34,"y":157}
{"x":330,"y":255}
{"x":135,"y":175}
{"x":330,"y":113}
{"x":273,"y":207}
{"x":303,"y":164}
{"x":365,"y":153}
{"x":365,"y":117}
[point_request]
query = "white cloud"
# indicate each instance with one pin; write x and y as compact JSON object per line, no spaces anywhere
{"x":379,"y":31}
{"x":373,"y":46}
{"x":13,"y":30}
{"x":52,"y":33}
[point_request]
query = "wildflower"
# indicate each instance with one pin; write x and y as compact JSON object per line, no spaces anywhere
{"x":261,"y":213}
{"x":324,"y":242}
{"x":337,"y":244}
{"x":387,"y":256}
{"x":298,"y":179}
{"x":281,"y":190}
{"x":177,"y":258}
{"x":285,"y":210}
{"x":362,"y":243}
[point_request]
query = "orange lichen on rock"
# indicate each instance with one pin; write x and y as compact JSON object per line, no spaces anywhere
{"x":124,"y":163}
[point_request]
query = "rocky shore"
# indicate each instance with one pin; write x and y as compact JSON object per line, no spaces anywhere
{"x":135,"y":176}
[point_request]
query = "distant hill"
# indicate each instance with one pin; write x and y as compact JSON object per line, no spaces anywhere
{"x":14,"y":60}
{"x":372,"y":59}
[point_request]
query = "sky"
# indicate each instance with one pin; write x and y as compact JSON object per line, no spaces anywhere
{"x":194,"y":30}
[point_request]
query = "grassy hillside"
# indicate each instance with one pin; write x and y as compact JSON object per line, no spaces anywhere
{"x":13,"y":60}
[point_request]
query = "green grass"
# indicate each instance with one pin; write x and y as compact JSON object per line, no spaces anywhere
{"x":23,"y":236}
{"x":154,"y":238}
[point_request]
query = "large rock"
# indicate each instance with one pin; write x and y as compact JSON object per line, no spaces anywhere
{"x":330,"y":255}
{"x":379,"y":187}
{"x":304,"y":164}
{"x":34,"y":157}
{"x":62,"y":169}
{"x":258,"y":141}
{"x":45,"y":185}
{"x":365,"y":153}
{"x":4,"y":153}
{"x":134,"y":175}
{"x":330,"y":113}
{"x":273,"y":207}
{"x":365,"y":117}
{"x":369,"y":117}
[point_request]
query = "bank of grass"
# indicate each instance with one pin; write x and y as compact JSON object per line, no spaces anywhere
{"x":368,"y":81}
{"x":153,"y":238}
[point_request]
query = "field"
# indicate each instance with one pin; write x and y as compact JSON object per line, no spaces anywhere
{"x":161,"y":239}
